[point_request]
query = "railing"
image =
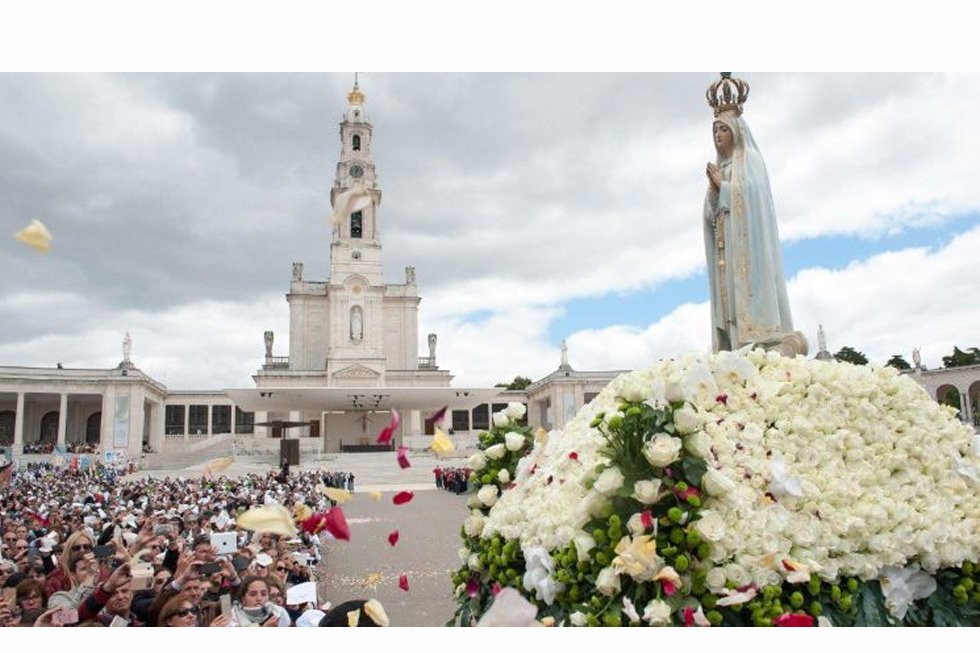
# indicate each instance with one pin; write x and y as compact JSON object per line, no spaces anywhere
{"x":276,"y":363}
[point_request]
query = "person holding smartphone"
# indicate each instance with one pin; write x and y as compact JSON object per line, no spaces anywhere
{"x":253,"y":607}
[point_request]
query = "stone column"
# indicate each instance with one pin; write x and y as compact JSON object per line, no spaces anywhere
{"x":19,"y":425}
{"x":108,"y":418}
{"x":965,"y":411}
{"x":159,"y":421}
{"x":210,"y":407}
{"x":63,"y":419}
{"x":187,"y":420}
{"x":415,"y":428}
{"x":261,"y":431}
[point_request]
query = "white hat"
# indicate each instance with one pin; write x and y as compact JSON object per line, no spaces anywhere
{"x":310,"y":618}
{"x":263,"y":560}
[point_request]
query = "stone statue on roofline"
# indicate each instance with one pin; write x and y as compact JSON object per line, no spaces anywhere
{"x":749,"y":304}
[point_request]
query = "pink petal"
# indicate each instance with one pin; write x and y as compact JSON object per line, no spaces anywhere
{"x":336,"y":524}
{"x":669,"y":588}
{"x":437,"y":417}
{"x":393,"y":538}
{"x":385,"y":436}
{"x":403,"y":582}
{"x":472,"y":587}
{"x":573,"y":455}
{"x":688,"y":616}
{"x":722,"y":398}
{"x":646,"y":518}
{"x":495,"y":589}
{"x":794,"y":620}
{"x":403,"y":461}
{"x":403,"y":497}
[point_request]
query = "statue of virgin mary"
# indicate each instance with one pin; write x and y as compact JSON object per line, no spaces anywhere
{"x":749,"y":305}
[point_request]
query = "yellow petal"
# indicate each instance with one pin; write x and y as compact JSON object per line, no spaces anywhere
{"x":353,"y":617}
{"x":36,"y":235}
{"x":376,"y":611}
{"x":217,"y":465}
{"x":441,"y":443}
{"x":336,"y":494}
{"x":272,"y":518}
{"x":375,"y":495}
{"x":372,"y":579}
{"x":540,"y":435}
{"x":301,"y":511}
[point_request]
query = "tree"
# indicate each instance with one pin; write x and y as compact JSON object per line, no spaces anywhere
{"x":850,"y":355}
{"x":898,"y":362}
{"x":519,"y":383}
{"x":951,"y":398}
{"x":959,"y":358}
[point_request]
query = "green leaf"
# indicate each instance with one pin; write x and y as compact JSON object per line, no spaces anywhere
{"x":694,"y":468}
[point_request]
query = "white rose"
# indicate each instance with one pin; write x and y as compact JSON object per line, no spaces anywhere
{"x":711,"y":526}
{"x":633,"y":388}
{"x":503,"y":476}
{"x":647,"y":491}
{"x":473,"y":525}
{"x":610,"y":480}
{"x":515,"y":410}
{"x":477,"y":461}
{"x":496,"y":452}
{"x":663,"y":450}
{"x":583,"y":544}
{"x":686,"y":420}
{"x":473,"y":562}
{"x":716,"y":484}
{"x":514,"y":441}
{"x":715,"y":579}
{"x":608,"y":582}
{"x":674,"y":390}
{"x":578,"y":619}
{"x":635,"y":524}
{"x":737,"y":574}
{"x":500,"y":419}
{"x":487,"y":495}
{"x":698,"y":444}
{"x":657,"y":613}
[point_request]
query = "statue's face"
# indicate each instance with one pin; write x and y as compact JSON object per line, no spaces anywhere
{"x":724,"y":139}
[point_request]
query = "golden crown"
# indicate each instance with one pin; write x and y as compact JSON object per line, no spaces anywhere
{"x":728,"y":94}
{"x":355,"y":96}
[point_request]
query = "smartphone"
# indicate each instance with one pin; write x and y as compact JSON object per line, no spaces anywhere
{"x":226,"y":605}
{"x":65,"y":617}
{"x":104,"y":551}
{"x":208,"y":568}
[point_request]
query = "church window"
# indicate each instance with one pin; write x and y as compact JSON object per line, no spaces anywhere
{"x":174,"y":420}
{"x":356,"y":228}
{"x":198,"y":419}
{"x":356,"y":142}
{"x":461,"y":420}
{"x":221,"y":419}
{"x":244,"y":421}
{"x":481,"y":417}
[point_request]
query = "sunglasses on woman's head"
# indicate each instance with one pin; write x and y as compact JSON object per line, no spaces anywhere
{"x":81,"y":547}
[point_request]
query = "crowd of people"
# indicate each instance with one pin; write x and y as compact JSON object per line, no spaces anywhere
{"x":93,"y":549}
{"x":453,"y":479}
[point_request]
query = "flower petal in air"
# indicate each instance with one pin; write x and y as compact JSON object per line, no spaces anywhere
{"x":336,"y":495}
{"x":217,"y":465}
{"x":403,"y":582}
{"x":336,"y":524}
{"x":441,"y":444}
{"x":393,"y":538}
{"x":402,"y":457}
{"x":375,"y":495}
{"x":403,"y":497}
{"x":437,"y":417}
{"x":270,"y":518}
{"x":385,"y":436}
{"x":35,"y":235}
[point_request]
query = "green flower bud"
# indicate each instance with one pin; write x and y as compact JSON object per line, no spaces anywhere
{"x":959,"y":592}
{"x":511,"y":572}
{"x":693,"y":501}
{"x":796,"y":600}
{"x":677,"y":535}
{"x":770,"y":592}
{"x":582,"y":566}
{"x":668,"y":551}
{"x":634,"y":411}
{"x":714,"y":617}
{"x":968,"y":567}
{"x":595,"y":422}
{"x":615,"y":521}
{"x":852,"y":585}
{"x":616,"y":422}
{"x":814,"y":585}
{"x":599,"y":536}
{"x":976,"y":597}
{"x":704,"y":550}
{"x":615,"y":533}
{"x":602,"y":558}
{"x":675,"y":515}
{"x":612,"y":620}
{"x":835,"y":592}
{"x":681,"y":486}
{"x":693,"y":538}
{"x":574,"y":593}
{"x":681,"y":563}
{"x":486,"y":479}
{"x":967,"y":583}
{"x":816,"y":608}
{"x":709,"y":601}
{"x":592,"y":620}
{"x":845,"y":603}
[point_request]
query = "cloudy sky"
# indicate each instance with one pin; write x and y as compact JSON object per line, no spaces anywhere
{"x":534,"y":206}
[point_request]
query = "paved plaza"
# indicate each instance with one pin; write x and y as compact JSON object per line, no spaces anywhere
{"x":367,"y":566}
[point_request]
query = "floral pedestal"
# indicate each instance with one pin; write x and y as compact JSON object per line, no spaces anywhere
{"x":734,"y":489}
